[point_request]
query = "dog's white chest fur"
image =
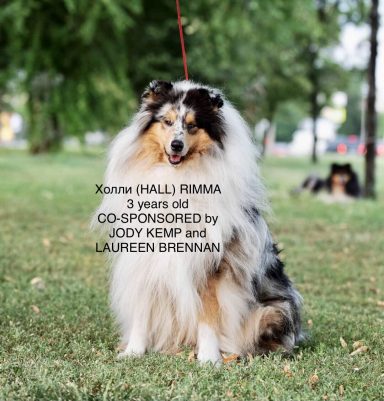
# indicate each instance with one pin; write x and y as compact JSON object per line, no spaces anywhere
{"x":163,"y":286}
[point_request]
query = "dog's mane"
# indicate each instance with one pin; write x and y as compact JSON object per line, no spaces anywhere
{"x":237,"y":161}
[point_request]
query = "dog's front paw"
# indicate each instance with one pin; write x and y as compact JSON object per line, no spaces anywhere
{"x":132,"y":351}
{"x":209,"y":356}
{"x":208,"y":345}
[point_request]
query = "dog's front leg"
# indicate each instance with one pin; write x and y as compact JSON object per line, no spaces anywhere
{"x":208,"y":325}
{"x":137,"y":343}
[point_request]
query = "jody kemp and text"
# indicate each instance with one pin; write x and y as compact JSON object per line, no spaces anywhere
{"x":188,"y":229}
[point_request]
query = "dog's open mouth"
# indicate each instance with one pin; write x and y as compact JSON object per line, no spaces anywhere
{"x":175,"y":158}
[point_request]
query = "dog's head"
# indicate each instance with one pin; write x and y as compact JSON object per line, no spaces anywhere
{"x":185,"y":122}
{"x":341,"y":173}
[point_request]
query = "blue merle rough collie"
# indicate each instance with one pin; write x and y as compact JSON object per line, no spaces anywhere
{"x":236,"y":299}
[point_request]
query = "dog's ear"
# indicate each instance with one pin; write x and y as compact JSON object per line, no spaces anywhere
{"x":334,"y":166}
{"x":156,"y":90}
{"x":216,"y":99}
{"x":213,"y":96}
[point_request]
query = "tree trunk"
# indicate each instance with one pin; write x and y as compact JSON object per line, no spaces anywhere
{"x":267,"y":132}
{"x":44,"y":131}
{"x":315,"y":115}
{"x":313,"y":76}
{"x":314,"y":102}
{"x":370,"y":138}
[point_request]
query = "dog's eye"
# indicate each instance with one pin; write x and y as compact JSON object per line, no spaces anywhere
{"x":168,"y":122}
{"x":190,"y":127}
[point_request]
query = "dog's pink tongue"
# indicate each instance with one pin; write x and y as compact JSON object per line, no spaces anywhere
{"x":175,"y":158}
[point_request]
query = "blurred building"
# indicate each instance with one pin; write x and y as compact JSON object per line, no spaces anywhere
{"x":302,"y":140}
{"x":11,"y":128}
{"x":327,"y":125}
{"x":6,"y":133}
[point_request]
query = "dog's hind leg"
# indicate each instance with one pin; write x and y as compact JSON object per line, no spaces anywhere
{"x":269,"y":328}
{"x":275,"y":320}
{"x":208,"y":324}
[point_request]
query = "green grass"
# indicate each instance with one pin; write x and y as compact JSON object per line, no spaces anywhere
{"x":335,"y":254}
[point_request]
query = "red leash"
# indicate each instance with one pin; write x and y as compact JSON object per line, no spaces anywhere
{"x":182,"y":40}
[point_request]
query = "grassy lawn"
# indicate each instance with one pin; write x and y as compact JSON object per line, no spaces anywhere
{"x":59,"y":342}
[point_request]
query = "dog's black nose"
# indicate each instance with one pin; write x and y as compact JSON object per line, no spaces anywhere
{"x":176,"y":145}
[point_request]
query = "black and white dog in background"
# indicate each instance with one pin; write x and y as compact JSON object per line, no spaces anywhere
{"x":342,"y":183}
{"x":237,"y":299}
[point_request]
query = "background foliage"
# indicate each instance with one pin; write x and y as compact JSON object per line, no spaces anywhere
{"x":80,"y":65}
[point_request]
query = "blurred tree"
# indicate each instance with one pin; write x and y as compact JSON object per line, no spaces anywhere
{"x":279,"y":52}
{"x":69,"y":57}
{"x":324,"y":74}
{"x":353,"y":123}
{"x":371,"y":118}
{"x":248,"y":49}
{"x":380,"y":125}
{"x":287,"y":117}
{"x":152,"y":42}
{"x":5,"y":62}
{"x":320,"y":68}
{"x":83,"y":63}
